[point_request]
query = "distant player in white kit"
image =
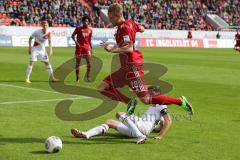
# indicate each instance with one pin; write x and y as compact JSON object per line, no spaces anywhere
{"x":133,"y":126}
{"x":37,"y":51}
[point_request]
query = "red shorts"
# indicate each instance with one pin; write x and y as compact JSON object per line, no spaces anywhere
{"x":82,"y":51}
{"x":133,"y":77}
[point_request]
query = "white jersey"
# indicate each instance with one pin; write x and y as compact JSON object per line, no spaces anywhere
{"x":40,"y":39}
{"x":146,"y":123}
{"x":150,"y":118}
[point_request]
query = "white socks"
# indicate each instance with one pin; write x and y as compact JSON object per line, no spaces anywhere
{"x":50,"y":71}
{"x":103,"y":128}
{"x":29,"y":71}
{"x":129,"y":123}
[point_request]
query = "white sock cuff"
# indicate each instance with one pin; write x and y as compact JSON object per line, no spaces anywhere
{"x":106,"y":127}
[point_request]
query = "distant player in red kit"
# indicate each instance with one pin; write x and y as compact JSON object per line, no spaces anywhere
{"x":131,"y":71}
{"x":189,"y":36}
{"x":237,"y":39}
{"x":83,"y":45}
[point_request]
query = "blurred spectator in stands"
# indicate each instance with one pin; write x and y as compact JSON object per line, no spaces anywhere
{"x":153,"y":14}
{"x":13,"y":23}
{"x":74,"y":23}
{"x":2,"y":9}
{"x":22,"y":21}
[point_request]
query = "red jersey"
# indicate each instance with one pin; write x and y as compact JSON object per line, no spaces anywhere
{"x":189,"y":34}
{"x":84,"y":36}
{"x":126,"y":32}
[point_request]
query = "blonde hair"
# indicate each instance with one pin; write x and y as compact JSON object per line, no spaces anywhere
{"x":116,"y":9}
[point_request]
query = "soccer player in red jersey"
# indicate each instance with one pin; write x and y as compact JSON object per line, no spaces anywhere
{"x":237,"y":39}
{"x":189,"y":36}
{"x":131,"y":71}
{"x":83,"y":45}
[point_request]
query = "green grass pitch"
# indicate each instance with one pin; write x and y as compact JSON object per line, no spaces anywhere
{"x":209,"y":78}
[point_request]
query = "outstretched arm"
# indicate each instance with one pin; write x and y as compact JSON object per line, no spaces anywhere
{"x":74,"y":37}
{"x":165,"y":126}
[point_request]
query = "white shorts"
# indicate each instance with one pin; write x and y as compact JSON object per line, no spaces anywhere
{"x":37,"y":54}
{"x":145,"y":127}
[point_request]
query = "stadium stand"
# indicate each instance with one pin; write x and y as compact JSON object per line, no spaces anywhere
{"x":153,"y":14}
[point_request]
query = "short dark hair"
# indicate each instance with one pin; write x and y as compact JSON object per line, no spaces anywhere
{"x":154,"y":88}
{"x":86,"y":17}
{"x":43,"y":19}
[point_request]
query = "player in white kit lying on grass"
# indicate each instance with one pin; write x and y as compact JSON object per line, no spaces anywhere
{"x":133,"y":126}
{"x":37,"y":51}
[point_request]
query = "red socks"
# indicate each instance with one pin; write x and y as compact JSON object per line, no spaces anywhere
{"x":77,"y":71}
{"x":162,"y":99}
{"x":88,"y":70}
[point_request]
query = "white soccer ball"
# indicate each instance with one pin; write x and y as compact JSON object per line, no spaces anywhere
{"x":53,"y":144}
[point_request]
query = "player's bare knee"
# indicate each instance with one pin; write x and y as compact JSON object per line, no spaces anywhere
{"x":110,"y":123}
{"x":118,"y":114}
{"x":145,"y":100}
{"x":46,"y":63}
{"x":102,"y":87}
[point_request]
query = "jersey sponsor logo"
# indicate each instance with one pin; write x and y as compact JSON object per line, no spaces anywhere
{"x":126,"y":38}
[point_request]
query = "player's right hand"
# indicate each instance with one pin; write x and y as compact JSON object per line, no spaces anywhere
{"x":29,"y":51}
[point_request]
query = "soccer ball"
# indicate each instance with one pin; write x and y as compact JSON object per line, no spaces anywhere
{"x":53,"y":144}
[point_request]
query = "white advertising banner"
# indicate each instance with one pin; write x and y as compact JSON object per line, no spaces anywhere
{"x":109,"y":33}
{"x":61,"y":37}
{"x":218,"y":43}
{"x":22,"y":41}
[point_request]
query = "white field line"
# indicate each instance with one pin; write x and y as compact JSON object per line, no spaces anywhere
{"x":35,"y":89}
{"x":41,"y":90}
{"x":43,"y":100}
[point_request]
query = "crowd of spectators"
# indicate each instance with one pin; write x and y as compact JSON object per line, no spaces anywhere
{"x":168,"y":14}
{"x":229,"y":10}
{"x":153,"y":14}
{"x":63,"y":12}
